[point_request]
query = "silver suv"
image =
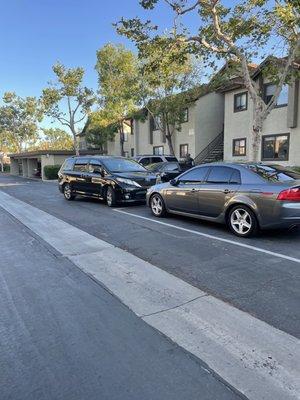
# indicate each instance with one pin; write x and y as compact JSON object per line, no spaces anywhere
{"x":153,"y":159}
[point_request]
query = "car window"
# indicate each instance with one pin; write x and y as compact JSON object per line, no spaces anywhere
{"x":68,"y":165}
{"x":145,"y":161}
{"x":81,"y":164}
{"x":122,"y":165}
{"x":155,"y":167}
{"x":219,"y":175}
{"x":274,"y":173}
{"x":171,"y":158}
{"x":169,"y":167}
{"x":95,"y":166}
{"x":235,"y":177}
{"x":156,"y":160}
{"x":194,"y":175}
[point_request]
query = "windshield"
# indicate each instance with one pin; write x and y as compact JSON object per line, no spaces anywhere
{"x":274,"y":173}
{"x":123,"y":165}
{"x":154,"y":167}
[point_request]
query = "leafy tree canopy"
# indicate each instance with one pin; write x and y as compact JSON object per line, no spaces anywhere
{"x":19,"y":119}
{"x":67,"y":100}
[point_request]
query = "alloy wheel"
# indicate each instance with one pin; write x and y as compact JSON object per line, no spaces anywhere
{"x":241,"y":221}
{"x":67,"y":192}
{"x":156,"y":205}
{"x":109,"y":197}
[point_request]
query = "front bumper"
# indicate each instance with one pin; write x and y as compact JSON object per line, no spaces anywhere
{"x":133,"y":195}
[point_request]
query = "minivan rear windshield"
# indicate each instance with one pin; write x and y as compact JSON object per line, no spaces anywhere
{"x":123,"y":165}
{"x":274,"y":173}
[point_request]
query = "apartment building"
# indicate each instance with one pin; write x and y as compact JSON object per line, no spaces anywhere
{"x":202,"y":123}
{"x":280,"y":137}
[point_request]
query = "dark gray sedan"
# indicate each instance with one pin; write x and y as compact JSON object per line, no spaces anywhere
{"x":246,"y":197}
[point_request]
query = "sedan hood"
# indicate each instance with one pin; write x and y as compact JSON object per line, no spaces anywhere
{"x":145,"y":179}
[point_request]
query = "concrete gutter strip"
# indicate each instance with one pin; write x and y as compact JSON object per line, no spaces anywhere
{"x":260,"y":361}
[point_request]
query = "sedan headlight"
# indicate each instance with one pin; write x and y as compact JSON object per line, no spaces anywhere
{"x":128,"y":182}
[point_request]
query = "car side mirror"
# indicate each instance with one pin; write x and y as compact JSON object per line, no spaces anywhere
{"x":174,"y":182}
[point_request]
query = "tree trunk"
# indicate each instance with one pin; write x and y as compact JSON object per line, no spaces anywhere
{"x":75,"y":140}
{"x":169,"y":140}
{"x":121,"y":129}
{"x":258,"y":119}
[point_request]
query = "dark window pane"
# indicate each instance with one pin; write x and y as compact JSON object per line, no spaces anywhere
{"x":219,"y":175}
{"x":171,"y":158}
{"x":156,"y":160}
{"x":183,"y":150}
{"x":68,"y":165}
{"x":195,"y":175}
{"x":274,"y":173}
{"x":235,"y":177}
{"x":171,"y":167}
{"x":240,"y":102}
{"x":275,"y":147}
{"x":145,"y":161}
{"x":239,"y":147}
{"x":81,"y":164}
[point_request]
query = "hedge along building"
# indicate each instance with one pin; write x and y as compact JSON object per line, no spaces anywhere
{"x":31,"y":164}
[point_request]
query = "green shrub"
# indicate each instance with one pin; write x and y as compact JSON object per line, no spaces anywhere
{"x":51,"y":171}
{"x":6,"y":168}
{"x":297,"y":169}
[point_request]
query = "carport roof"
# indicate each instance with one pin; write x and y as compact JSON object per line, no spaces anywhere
{"x":38,"y":153}
{"x":41,"y":153}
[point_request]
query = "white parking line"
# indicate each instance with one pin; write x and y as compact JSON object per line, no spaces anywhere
{"x":207,"y":235}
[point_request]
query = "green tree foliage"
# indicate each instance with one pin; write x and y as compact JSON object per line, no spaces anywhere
{"x":68,"y":100}
{"x":237,"y":33}
{"x":56,"y":139}
{"x":19,"y":119}
{"x":118,"y":84}
{"x":168,"y":75}
{"x":99,"y":129}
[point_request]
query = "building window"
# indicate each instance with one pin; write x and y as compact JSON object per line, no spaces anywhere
{"x":125,"y":136}
{"x":126,"y":154}
{"x":132,"y":152}
{"x":158,"y":150}
{"x":183,"y":150}
{"x":240,"y":102}
{"x":185,"y":115}
{"x":275,"y":147}
{"x":239,"y":147}
{"x":269,"y":91}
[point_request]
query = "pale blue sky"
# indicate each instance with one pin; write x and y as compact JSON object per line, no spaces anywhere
{"x":34,"y":34}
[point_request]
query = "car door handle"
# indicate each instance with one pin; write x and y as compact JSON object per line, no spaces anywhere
{"x":195,"y":190}
{"x":255,"y":191}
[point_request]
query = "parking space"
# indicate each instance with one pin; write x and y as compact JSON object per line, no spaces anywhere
{"x":260,"y":282}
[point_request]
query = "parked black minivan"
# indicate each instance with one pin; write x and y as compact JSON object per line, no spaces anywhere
{"x":114,"y":179}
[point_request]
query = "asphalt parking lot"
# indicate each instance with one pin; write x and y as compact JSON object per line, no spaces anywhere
{"x":261,"y":278}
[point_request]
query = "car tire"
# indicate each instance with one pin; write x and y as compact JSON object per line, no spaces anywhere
{"x":67,"y":191}
{"x":111,"y":197}
{"x":157,"y":205}
{"x":242,"y":221}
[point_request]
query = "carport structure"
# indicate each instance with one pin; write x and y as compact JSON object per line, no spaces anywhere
{"x":31,"y":164}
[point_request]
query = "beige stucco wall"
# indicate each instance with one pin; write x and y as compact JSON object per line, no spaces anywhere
{"x":239,"y":125}
{"x":209,"y":119}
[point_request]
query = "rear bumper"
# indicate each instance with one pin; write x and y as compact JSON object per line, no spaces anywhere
{"x":286,"y":214}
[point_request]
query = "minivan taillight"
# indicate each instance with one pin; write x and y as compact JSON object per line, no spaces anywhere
{"x":292,"y":194}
